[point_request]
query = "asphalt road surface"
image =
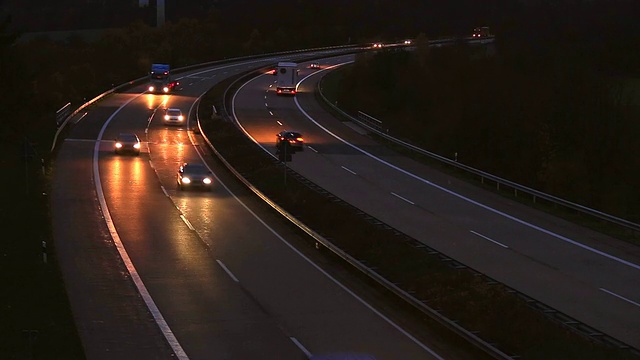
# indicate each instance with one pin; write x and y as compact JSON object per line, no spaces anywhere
{"x":153,"y":272}
{"x":589,"y":276}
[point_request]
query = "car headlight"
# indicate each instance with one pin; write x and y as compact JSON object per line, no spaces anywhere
{"x":166,"y":117}
{"x":206,"y":181}
{"x":151,"y":88}
{"x":118,"y":145}
{"x":180,"y":117}
{"x":137,"y":146}
{"x":186,"y":180}
{"x":165,"y":89}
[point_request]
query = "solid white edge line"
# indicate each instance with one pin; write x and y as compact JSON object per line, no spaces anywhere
{"x":227,"y":271}
{"x":451,"y":192}
{"x":164,"y":191}
{"x":306,"y":352}
{"x":135,"y":277}
{"x":620,"y":297}
{"x":487,"y":238}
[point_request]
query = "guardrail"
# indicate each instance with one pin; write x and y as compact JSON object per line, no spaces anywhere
{"x":62,"y":124}
{"x":319,"y":239}
{"x":376,"y":127}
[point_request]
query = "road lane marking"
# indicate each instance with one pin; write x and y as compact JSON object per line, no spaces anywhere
{"x":227,"y":271}
{"x":402,"y":198}
{"x":306,"y":352}
{"x":453,"y":193}
{"x":165,"y":191}
{"x":487,"y":238}
{"x":80,"y":118}
{"x":279,"y":123}
{"x":135,"y":276}
{"x":270,"y":113}
{"x":349,"y":170}
{"x":620,"y":297}
{"x":184,"y":218}
{"x":312,"y":149}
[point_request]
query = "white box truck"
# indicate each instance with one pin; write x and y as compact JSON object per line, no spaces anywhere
{"x":287,"y":78}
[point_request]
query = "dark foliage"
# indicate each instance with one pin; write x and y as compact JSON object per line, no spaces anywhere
{"x":553,"y":106}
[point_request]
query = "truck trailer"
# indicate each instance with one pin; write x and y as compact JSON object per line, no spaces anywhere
{"x":287,"y":78}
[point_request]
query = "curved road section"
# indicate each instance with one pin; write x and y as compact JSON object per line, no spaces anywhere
{"x":584,"y":274}
{"x":153,"y":272}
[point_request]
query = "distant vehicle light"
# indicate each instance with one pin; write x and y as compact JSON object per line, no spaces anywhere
{"x":407,"y":42}
{"x":151,"y":88}
{"x":165,"y":89}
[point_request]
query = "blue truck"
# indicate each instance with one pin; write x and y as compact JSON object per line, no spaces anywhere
{"x":160,"y":79}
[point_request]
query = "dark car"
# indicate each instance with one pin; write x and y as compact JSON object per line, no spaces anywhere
{"x":293,"y":138}
{"x":194,"y":175}
{"x":127,"y":143}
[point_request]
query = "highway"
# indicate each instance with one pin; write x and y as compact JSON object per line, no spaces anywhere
{"x":584,"y":274}
{"x":153,"y":272}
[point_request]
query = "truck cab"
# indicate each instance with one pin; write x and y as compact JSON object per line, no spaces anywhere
{"x":160,"y":79}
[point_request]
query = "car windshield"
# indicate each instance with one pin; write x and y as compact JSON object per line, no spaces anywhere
{"x":195,"y":169}
{"x":173,"y":112}
{"x":127,"y":137}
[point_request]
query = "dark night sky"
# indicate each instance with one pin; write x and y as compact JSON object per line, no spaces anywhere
{"x":367,"y":18}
